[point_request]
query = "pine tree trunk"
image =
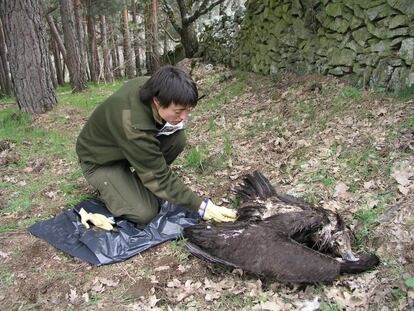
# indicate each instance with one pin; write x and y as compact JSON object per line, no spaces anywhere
{"x":5,"y":81}
{"x":135,"y":33}
{"x":26,"y":37}
{"x":154,"y":26}
{"x":106,"y":56}
{"x":79,"y":30}
{"x":56,"y":35}
{"x":58,"y":63}
{"x":73,"y":55}
{"x":93,"y":69}
{"x":86,"y":55}
{"x":53,"y":75}
{"x":151,"y":37}
{"x":129,"y":66}
{"x":118,"y":71}
{"x":114,"y":52}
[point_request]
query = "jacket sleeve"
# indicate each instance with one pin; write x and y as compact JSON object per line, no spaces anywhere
{"x":143,"y":152}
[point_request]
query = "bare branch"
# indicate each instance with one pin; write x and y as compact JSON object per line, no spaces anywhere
{"x":50,"y":9}
{"x":203,"y":9}
{"x":171,"y":16}
{"x":56,"y":35}
{"x":168,"y":34}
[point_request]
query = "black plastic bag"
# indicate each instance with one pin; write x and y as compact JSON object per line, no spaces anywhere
{"x":100,"y":247}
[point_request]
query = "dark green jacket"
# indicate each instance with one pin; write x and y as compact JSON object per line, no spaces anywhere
{"x":123,"y":128}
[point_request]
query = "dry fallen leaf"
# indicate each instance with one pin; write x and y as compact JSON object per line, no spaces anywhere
{"x":212,"y":296}
{"x":51,"y":194}
{"x":86,"y":297}
{"x":108,"y":282}
{"x":332,"y":205}
{"x":369,"y":184}
{"x":341,"y":191}
{"x":403,"y":172}
{"x":161,"y":268}
{"x":174,"y":283}
{"x":402,"y":177}
{"x":270,"y":306}
{"x":28,"y":169}
{"x":311,"y":305}
{"x":21,"y":183}
{"x":73,"y":296}
{"x":97,"y":287}
{"x":4,"y":255}
{"x":152,"y":301}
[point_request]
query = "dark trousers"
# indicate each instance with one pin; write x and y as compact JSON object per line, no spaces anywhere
{"x":122,"y":190}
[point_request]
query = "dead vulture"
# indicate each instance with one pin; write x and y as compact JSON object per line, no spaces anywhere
{"x":279,"y":236}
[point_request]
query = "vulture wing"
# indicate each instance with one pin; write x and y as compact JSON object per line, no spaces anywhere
{"x":263,"y":251}
{"x":257,"y":187}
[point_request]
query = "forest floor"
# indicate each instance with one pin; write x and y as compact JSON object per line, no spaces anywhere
{"x":316,"y":137}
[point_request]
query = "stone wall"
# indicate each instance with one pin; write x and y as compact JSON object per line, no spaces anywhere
{"x":368,"y":41}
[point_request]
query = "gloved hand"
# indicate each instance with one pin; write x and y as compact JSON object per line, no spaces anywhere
{"x":98,"y":220}
{"x":209,"y":211}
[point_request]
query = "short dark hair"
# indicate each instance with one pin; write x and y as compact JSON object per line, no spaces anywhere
{"x":170,"y":84}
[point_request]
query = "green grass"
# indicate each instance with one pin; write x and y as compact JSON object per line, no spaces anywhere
{"x":92,"y":96}
{"x":405,"y":94}
{"x":363,"y":162}
{"x":225,"y":156}
{"x":232,"y":89}
{"x":6,"y":277}
{"x":328,"y":306}
{"x":235,"y":301}
{"x":53,"y":144}
{"x":411,"y":123}
{"x":350,"y":92}
{"x":409,"y":282}
{"x":64,"y":275}
{"x":368,"y":219}
{"x":196,"y":158}
{"x":179,"y":251}
{"x":271,"y":123}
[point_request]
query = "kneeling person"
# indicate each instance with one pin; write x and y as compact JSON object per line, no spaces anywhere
{"x":129,"y":141}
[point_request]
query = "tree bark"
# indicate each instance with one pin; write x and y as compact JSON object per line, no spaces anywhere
{"x":106,"y":56}
{"x":26,"y":37}
{"x":86,"y":55}
{"x":79,"y":30}
{"x":114,"y":52}
{"x":5,"y":81}
{"x":129,"y":67}
{"x":58,"y":63}
{"x":56,"y":35}
{"x":92,"y":50}
{"x":189,"y":40}
{"x":154,"y":41}
{"x":151,"y":36}
{"x":135,"y":36}
{"x":73,"y":55}
{"x":53,"y":74}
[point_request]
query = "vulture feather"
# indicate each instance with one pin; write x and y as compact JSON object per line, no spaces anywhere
{"x":279,"y":236}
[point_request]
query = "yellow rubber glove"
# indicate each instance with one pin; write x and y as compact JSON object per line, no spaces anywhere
{"x":98,"y":220}
{"x":209,"y":211}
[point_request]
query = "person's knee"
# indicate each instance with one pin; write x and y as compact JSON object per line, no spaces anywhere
{"x":143,"y":217}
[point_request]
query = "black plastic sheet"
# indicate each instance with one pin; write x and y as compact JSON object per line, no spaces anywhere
{"x":100,"y":247}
